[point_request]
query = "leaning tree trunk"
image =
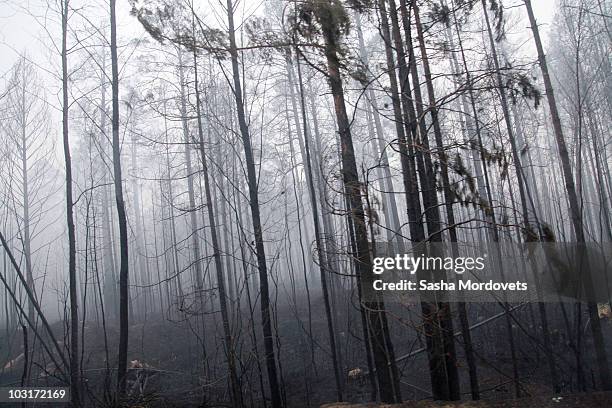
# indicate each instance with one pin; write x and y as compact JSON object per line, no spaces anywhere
{"x":575,"y":213}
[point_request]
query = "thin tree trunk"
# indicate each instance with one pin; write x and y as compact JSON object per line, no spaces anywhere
{"x":194,"y":235}
{"x":123,"y":232}
{"x":386,"y":179}
{"x":230,"y":351}
{"x":255,"y":215}
{"x":324,"y":265}
{"x":74,"y":314}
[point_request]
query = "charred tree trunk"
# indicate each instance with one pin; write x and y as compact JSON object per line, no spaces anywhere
{"x":123,"y":231}
{"x":74,"y":314}
{"x":193,"y":220}
{"x":450,"y":219}
{"x":380,"y":341}
{"x":431,"y":311}
{"x":324,"y":265}
{"x":255,"y":214}
{"x":574,"y":206}
{"x":379,"y":149}
{"x":230,"y":350}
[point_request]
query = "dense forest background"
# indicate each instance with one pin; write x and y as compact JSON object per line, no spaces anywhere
{"x":192,"y":193}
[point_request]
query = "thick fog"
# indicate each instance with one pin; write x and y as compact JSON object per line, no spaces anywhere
{"x":192,"y":194}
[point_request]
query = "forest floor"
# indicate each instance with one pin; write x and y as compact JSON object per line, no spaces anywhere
{"x":171,"y":352}
{"x":587,"y":400}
